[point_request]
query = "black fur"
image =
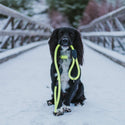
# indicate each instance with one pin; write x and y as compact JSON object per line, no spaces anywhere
{"x":75,"y":93}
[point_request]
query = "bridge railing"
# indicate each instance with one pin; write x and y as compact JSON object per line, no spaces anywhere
{"x":107,"y":31}
{"x":19,"y":29}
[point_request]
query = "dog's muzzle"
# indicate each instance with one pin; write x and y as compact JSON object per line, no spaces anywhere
{"x":65,"y":42}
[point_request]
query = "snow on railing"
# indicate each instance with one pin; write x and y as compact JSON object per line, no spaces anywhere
{"x":104,"y":34}
{"x":20,"y":29}
{"x":109,"y":16}
{"x":107,"y":31}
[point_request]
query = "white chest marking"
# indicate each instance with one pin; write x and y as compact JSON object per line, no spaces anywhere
{"x":64,"y":76}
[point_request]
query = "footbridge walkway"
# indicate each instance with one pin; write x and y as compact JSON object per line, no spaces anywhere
{"x":25,"y":79}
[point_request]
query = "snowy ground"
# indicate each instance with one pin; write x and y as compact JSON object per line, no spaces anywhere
{"x":25,"y":87}
{"x":107,"y":52}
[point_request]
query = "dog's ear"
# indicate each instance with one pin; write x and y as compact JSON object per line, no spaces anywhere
{"x":79,"y":47}
{"x":53,"y":42}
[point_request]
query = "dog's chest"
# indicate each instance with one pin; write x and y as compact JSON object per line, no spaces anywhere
{"x":65,"y":63}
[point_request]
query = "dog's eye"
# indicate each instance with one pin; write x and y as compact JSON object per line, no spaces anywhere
{"x":61,"y":32}
{"x":71,"y":34}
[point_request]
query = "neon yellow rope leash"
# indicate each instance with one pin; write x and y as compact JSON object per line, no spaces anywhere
{"x":72,"y":65}
{"x":57,"y":97}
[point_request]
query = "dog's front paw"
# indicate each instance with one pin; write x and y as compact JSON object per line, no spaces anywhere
{"x":50,"y":102}
{"x":67,"y":108}
{"x":79,"y":103}
{"x":59,"y":112}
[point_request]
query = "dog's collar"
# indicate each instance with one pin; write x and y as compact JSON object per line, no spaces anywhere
{"x":65,"y":54}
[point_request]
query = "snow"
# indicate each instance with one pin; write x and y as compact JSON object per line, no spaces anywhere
{"x":105,"y":33}
{"x":105,"y":51}
{"x":21,"y":49}
{"x":25,"y":87}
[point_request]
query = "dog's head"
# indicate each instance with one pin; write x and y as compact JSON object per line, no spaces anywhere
{"x":65,"y":37}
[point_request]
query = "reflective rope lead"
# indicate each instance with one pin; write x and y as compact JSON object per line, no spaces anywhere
{"x":57,"y":98}
{"x":74,"y":60}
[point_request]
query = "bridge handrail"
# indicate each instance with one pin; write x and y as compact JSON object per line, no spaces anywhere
{"x":104,"y":34}
{"x":101,"y":19}
{"x":23,"y":33}
{"x":107,"y":31}
{"x":19,"y":29}
{"x":13,"y":13}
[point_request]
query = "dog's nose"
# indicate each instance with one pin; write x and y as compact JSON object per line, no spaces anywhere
{"x":65,"y":40}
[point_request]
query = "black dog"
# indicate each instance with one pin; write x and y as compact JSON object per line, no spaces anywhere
{"x":72,"y":91}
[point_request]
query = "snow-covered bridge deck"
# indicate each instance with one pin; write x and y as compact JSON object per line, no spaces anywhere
{"x":25,"y":87}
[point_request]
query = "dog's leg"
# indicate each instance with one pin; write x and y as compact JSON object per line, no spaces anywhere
{"x":60,"y":110}
{"x":79,"y":97}
{"x":71,"y":92}
{"x":54,"y":81}
{"x":67,"y":102}
{"x":66,"y":106}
